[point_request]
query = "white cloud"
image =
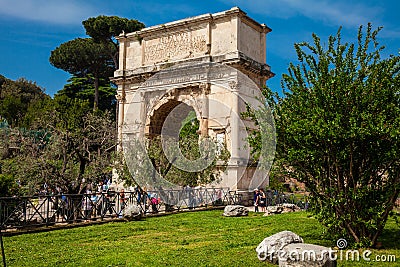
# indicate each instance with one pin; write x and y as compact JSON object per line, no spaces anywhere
{"x":51,"y":11}
{"x":344,"y":13}
{"x":390,"y":32}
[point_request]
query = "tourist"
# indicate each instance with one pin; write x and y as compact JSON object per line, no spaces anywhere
{"x":109,"y":202}
{"x":94,"y":198}
{"x":122,"y":201}
{"x":87,"y":204}
{"x":219,"y":196}
{"x":105,"y":187}
{"x":100,"y":187}
{"x":154,"y":203}
{"x":263,"y":200}
{"x":100,"y":204}
{"x":256,"y":200}
{"x":64,"y":204}
{"x":138,"y":192}
{"x":191,"y":196}
{"x":146,"y":199}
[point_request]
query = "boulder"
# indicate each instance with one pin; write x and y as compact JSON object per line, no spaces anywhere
{"x":235,"y":211}
{"x":132,"y":212}
{"x":271,"y":246}
{"x":281,"y":208}
{"x":274,"y":209}
{"x":306,"y":255}
{"x":287,"y":207}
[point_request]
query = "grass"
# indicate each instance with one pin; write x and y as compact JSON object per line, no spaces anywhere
{"x":186,"y":239}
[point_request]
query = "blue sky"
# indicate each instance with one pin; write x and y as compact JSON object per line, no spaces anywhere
{"x":31,"y":29}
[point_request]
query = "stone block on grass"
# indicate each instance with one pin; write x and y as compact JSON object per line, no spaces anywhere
{"x":235,"y":211}
{"x":306,"y":255}
{"x":132,"y":212}
{"x":271,"y":246}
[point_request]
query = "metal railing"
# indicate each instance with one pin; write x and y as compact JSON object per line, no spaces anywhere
{"x":47,"y":210}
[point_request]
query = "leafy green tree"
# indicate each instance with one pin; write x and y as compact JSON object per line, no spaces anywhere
{"x":72,"y":147}
{"x":12,"y":109}
{"x":82,"y":57}
{"x":82,"y":88}
{"x":15,"y":99}
{"x":104,"y":29}
{"x":2,"y":80}
{"x":262,"y":140}
{"x":8,"y":186}
{"x":338,"y":132}
{"x":36,"y":112}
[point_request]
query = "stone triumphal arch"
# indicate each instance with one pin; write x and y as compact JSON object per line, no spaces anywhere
{"x":214,"y":64}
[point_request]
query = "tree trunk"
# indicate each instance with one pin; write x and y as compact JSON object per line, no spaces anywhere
{"x":385,"y":216}
{"x":96,"y":92}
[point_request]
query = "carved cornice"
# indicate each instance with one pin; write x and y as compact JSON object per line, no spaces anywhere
{"x":250,"y":65}
{"x":194,"y":21}
{"x":128,"y":78}
{"x":238,"y":60}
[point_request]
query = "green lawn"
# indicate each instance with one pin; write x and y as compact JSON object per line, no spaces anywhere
{"x":202,"y":238}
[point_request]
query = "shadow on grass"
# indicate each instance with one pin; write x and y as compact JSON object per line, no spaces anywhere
{"x":390,"y":238}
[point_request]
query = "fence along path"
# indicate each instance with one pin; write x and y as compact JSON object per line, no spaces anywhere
{"x":47,"y":210}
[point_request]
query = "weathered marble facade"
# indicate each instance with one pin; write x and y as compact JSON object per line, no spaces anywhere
{"x":214,"y":63}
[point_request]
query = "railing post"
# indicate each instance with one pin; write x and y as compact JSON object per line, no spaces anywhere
{"x":2,"y":247}
{"x":24,"y":207}
{"x":1,"y":215}
{"x":47,"y":210}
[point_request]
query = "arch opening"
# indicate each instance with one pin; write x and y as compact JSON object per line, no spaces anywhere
{"x":179,"y":112}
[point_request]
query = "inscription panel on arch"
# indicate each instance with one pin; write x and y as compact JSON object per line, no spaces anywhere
{"x":174,"y":46}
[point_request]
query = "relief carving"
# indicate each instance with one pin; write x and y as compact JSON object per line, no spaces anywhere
{"x":233,"y":85}
{"x":183,"y":44}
